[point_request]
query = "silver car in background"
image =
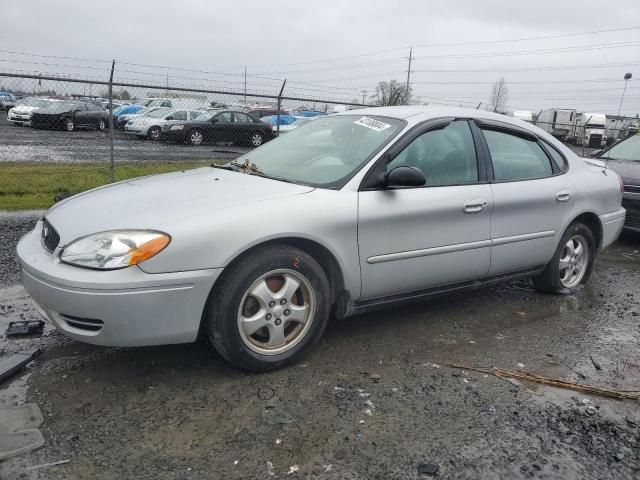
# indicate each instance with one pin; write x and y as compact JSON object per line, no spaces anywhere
{"x":350,"y":212}
{"x":151,"y":124}
{"x":21,"y":113}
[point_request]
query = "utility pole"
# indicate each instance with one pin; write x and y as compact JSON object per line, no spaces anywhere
{"x":245,"y":86}
{"x":364,"y":94}
{"x":627,"y":77}
{"x":409,"y":73}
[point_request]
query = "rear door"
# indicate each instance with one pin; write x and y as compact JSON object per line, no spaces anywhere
{"x":532,"y":197}
{"x":243,"y":126}
{"x":416,"y":238}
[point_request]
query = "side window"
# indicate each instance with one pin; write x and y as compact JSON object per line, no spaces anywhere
{"x":180,"y":115}
{"x":446,"y":156}
{"x":241,"y":118}
{"x":516,"y":158}
{"x":557,"y":157}
{"x":224,"y":117}
{"x":166,"y":103}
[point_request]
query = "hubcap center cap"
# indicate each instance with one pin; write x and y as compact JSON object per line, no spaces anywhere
{"x":277,"y":311}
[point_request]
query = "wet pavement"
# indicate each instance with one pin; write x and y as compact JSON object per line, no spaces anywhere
{"x":375,"y":399}
{"x":24,"y":144}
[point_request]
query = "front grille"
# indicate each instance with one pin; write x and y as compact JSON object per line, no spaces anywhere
{"x":88,"y":324}
{"x":595,"y":140}
{"x":632,"y":188}
{"x":49,"y":236}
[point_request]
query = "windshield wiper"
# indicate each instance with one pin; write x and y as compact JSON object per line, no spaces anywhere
{"x":223,"y":167}
{"x":251,"y":168}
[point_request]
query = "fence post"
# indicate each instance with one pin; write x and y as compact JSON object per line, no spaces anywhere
{"x":111,"y":162}
{"x":278,"y":110}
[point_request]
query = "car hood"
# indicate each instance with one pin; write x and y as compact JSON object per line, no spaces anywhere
{"x":626,"y":169}
{"x":22,"y":109}
{"x":161,"y":202}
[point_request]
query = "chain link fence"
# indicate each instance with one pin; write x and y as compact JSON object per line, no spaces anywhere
{"x":60,"y":136}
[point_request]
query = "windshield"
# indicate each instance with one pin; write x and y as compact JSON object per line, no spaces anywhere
{"x":628,"y":150}
{"x":157,"y":102}
{"x":61,"y":106}
{"x":34,"y":102}
{"x":324,"y":152}
{"x":160,"y":112}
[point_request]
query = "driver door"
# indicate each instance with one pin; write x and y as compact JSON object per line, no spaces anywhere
{"x":416,"y":238}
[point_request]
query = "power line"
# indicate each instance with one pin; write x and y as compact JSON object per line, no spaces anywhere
{"x":532,"y":69}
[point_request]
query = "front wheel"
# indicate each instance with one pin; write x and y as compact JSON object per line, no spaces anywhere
{"x":196,"y":138}
{"x":268,"y":308}
{"x":570,"y":268}
{"x":154,"y":133}
{"x":102,"y":124}
{"x":69,"y":125}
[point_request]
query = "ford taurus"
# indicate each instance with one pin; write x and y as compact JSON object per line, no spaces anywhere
{"x":349,"y":212}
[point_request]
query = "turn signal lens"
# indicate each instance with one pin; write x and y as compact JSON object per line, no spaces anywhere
{"x":148,"y":250}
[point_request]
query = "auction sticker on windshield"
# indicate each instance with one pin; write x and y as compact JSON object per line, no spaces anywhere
{"x":373,"y":124}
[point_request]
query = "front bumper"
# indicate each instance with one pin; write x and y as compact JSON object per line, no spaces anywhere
{"x":612,"y":226}
{"x":20,"y":119}
{"x":136,"y":130}
{"x":631,"y":202}
{"x":126,"y":307}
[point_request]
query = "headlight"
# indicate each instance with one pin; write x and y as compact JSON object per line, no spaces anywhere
{"x":177,"y":127}
{"x":115,"y":249}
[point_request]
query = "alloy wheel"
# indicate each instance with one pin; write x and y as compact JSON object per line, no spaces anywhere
{"x":256,"y":139}
{"x":196,"y":138}
{"x":574,"y":261}
{"x":276,"y":312}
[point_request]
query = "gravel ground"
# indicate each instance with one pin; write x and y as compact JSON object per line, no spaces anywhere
{"x":19,"y":144}
{"x":375,"y":399}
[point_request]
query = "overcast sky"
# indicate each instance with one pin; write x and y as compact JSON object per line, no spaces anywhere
{"x":337,"y":48}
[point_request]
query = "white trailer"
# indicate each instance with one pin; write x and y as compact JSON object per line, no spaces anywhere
{"x":590,"y":130}
{"x":524,"y":115}
{"x":559,"y":122}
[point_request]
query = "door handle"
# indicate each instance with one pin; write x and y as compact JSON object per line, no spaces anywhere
{"x":475,"y":205}
{"x":563,"y":196}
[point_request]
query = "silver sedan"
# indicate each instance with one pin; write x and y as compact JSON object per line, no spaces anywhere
{"x":347,"y":213}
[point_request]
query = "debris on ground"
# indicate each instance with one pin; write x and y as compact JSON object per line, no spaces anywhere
{"x":24,"y":327}
{"x":595,"y":363}
{"x":270,"y":469}
{"x":375,"y":377}
{"x":428,"y":468}
{"x":557,"y":382}
{"x":10,"y":365}
{"x":293,"y":469}
{"x":45,"y":465}
{"x":19,"y":430}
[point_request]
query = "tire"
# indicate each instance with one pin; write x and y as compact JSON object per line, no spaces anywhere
{"x":69,"y":126}
{"x":102,"y":124}
{"x":195,"y":138}
{"x":555,"y":278}
{"x":256,"y":139}
{"x":154,"y":134}
{"x":231,"y":304}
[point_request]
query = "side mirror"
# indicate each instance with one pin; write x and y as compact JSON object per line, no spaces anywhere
{"x":595,"y":153}
{"x":214,"y":120}
{"x":404,"y":176}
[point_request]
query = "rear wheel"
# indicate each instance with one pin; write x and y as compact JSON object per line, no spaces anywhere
{"x":571,"y":266}
{"x":268,"y":308}
{"x":69,"y":125}
{"x":154,"y":133}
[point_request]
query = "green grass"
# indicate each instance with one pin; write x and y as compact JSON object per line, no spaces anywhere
{"x":33,"y":185}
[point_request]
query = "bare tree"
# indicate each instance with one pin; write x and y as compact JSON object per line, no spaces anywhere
{"x":499,"y":96}
{"x":391,"y":93}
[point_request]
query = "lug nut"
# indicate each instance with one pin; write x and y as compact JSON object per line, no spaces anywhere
{"x":268,"y":316}
{"x":287,"y":312}
{"x":283,"y":301}
{"x":272,"y":304}
{"x":278,"y":321}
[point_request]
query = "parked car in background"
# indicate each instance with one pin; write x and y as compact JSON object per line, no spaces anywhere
{"x":624,"y":159}
{"x":221,"y":126}
{"x":123,"y":118}
{"x":308,"y":113}
{"x":353,"y":211}
{"x":21,"y":113}
{"x":266,"y":111}
{"x":287,"y":122}
{"x":7,"y":101}
{"x":153,"y":124}
{"x":70,"y":115}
